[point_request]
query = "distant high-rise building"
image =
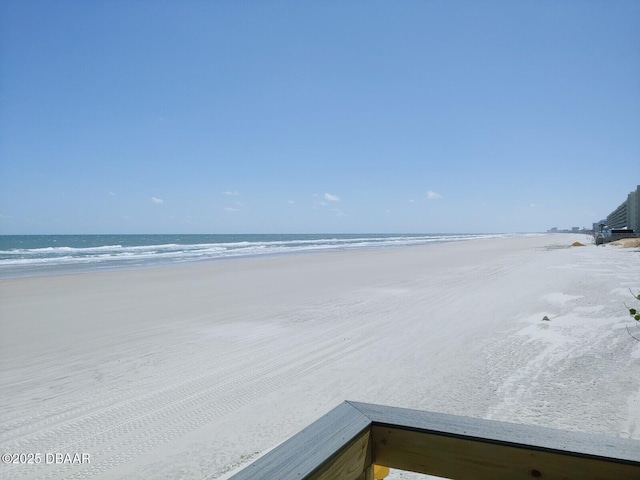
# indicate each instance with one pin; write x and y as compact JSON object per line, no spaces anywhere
{"x":633,"y":209}
{"x":600,"y":226}
{"x":627,"y":215}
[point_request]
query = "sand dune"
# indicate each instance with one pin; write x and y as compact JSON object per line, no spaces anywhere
{"x":192,"y":372}
{"x":627,"y":243}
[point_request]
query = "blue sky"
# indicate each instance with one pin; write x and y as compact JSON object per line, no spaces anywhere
{"x":349,"y":116}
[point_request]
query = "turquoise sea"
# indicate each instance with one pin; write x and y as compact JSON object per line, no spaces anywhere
{"x":35,"y":255}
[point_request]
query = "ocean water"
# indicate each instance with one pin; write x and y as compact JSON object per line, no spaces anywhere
{"x":35,"y":255}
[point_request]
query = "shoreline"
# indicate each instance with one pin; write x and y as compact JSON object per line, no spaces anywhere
{"x":196,"y":370}
{"x":121,"y":263}
{"x":73,"y":270}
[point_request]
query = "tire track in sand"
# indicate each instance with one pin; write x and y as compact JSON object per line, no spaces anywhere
{"x":143,"y":432}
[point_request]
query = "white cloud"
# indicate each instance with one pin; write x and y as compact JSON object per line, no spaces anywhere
{"x":339,"y":213}
{"x":236,"y":207}
{"x":331,"y":198}
{"x":111,"y":194}
{"x":291,"y":202}
{"x":533,"y":205}
{"x":431,"y":195}
{"x":233,"y":193}
{"x":157,"y":201}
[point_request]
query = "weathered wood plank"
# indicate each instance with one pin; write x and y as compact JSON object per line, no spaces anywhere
{"x":344,"y":443}
{"x":349,"y":464}
{"x":311,"y":449}
{"x":617,"y":450}
{"x":457,"y":457}
{"x":367,"y":474}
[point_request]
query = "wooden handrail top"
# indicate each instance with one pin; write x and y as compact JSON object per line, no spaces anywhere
{"x":347,"y":441}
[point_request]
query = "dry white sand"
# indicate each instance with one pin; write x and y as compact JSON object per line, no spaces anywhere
{"x":190,"y":372}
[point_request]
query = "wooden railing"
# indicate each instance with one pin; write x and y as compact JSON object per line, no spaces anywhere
{"x":350,"y":439}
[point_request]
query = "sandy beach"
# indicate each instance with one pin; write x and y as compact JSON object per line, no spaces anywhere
{"x":190,"y":372}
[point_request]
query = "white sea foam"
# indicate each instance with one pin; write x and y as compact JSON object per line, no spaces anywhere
{"x":57,"y":259}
